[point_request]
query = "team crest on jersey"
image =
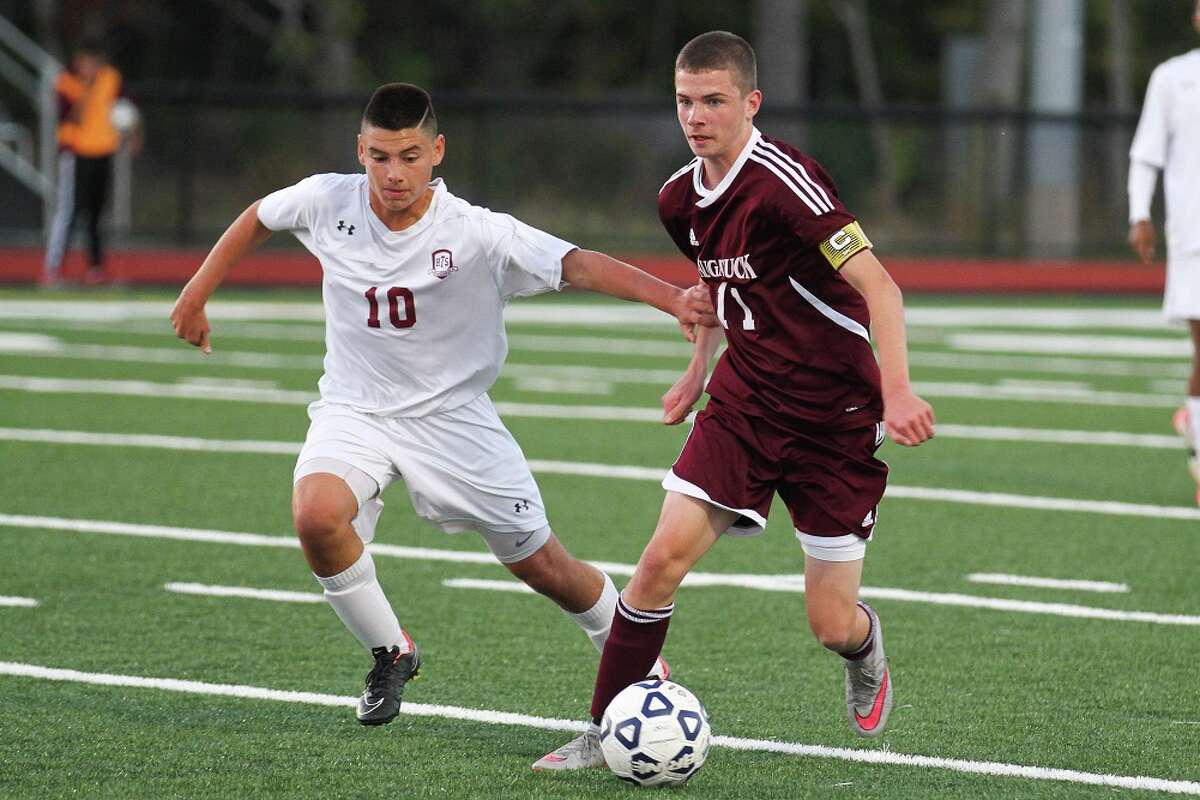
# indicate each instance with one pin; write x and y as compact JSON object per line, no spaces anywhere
{"x":443,"y":264}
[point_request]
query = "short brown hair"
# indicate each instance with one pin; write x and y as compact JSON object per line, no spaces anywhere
{"x":398,"y":106}
{"x":721,"y":50}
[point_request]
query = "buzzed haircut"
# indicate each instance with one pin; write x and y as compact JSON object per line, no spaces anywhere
{"x":721,"y":50}
{"x":399,"y":106}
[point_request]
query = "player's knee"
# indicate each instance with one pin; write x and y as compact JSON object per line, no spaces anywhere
{"x":659,"y":565}
{"x":656,"y":579}
{"x":316,"y":520}
{"x":539,"y":572}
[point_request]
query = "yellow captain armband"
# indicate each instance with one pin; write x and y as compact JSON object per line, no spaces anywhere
{"x":844,"y":243}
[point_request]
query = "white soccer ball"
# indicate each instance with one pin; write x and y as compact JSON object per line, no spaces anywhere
{"x":124,"y":115}
{"x":655,"y":733}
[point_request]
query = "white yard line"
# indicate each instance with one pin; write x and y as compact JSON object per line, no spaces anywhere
{"x":976,"y":391}
{"x":307,"y":333}
{"x":490,"y":717}
{"x":528,"y":376}
{"x":1043,"y":394}
{"x":628,"y":472}
{"x":563,"y":386}
{"x":1052,"y":436}
{"x":1047,"y":583}
{"x":1048,"y":318}
{"x":48,"y":436}
{"x":1134,"y":368}
{"x":52,"y":347}
{"x":18,"y":602}
{"x":944,"y":431}
{"x":601,"y":344}
{"x":1063,"y":344}
{"x":244,"y":592}
{"x":770,"y":583}
{"x":795,"y":583}
{"x":664,"y":377}
{"x":1033,"y":502}
{"x":190,"y":391}
{"x":177,"y":391}
{"x":515,"y":587}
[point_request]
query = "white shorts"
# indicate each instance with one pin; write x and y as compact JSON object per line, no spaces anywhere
{"x":1181,"y":299}
{"x":463,"y":470}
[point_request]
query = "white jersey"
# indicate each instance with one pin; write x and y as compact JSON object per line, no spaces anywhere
{"x":414,"y":318}
{"x":1168,"y":137}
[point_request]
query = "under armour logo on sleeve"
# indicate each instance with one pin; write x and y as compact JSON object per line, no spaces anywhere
{"x":342,"y":226}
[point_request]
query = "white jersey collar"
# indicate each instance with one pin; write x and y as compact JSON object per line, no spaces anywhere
{"x":710,"y":196}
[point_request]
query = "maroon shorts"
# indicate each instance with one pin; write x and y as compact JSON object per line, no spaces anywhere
{"x":830,"y":481}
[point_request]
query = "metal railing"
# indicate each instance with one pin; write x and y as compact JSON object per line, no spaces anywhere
{"x":32,"y":72}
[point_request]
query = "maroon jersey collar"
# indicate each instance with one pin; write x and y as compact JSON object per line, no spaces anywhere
{"x":710,"y":196}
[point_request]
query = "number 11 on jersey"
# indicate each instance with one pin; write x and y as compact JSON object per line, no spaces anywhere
{"x":747,"y":317}
{"x":393,"y":297}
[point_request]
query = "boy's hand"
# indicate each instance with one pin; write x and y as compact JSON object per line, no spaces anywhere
{"x":695,"y":308}
{"x":908,"y":418}
{"x":191,"y":323}
{"x":678,"y":401}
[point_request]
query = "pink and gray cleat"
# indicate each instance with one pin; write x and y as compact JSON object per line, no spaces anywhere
{"x":869,"y":686}
{"x":582,"y":752}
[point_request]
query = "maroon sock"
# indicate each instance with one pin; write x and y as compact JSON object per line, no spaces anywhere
{"x":634,"y":642}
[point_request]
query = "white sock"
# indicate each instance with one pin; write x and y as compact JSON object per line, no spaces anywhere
{"x":597,"y":620}
{"x":1193,"y":407}
{"x":358,"y":599}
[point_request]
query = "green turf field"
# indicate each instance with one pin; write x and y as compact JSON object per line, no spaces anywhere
{"x":130,"y":462}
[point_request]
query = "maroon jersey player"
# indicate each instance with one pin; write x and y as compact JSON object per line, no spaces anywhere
{"x":798,"y":404}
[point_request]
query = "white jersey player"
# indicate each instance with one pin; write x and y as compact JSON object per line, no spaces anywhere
{"x":1168,"y":139}
{"x":415,"y":282}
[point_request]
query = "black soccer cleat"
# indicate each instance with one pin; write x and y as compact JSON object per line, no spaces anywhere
{"x":380,"y":701}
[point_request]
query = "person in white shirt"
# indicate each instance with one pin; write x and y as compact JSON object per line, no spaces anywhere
{"x":1168,"y":139}
{"x":415,"y":282}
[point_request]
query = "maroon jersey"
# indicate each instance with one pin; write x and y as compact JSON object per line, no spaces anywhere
{"x":768,"y":241}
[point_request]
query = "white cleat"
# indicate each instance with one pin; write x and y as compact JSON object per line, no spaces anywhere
{"x":582,"y":752}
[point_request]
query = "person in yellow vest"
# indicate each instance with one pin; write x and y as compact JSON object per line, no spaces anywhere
{"x":87,"y":140}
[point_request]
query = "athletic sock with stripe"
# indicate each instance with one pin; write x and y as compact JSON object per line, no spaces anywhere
{"x":634,"y":642}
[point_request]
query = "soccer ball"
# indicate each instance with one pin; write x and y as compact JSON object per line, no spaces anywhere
{"x":124,"y":116}
{"x":655,"y":733}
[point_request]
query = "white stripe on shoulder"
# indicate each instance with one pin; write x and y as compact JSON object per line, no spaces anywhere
{"x":679,"y":173}
{"x":803,"y":172}
{"x":830,"y":312}
{"x":789,"y":168}
{"x":788,"y":182}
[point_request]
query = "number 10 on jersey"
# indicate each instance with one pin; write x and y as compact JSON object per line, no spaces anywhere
{"x":394,"y":295}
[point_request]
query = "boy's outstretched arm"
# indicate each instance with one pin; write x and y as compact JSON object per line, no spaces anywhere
{"x":597,"y":272}
{"x":188,"y":317}
{"x":908,"y":418}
